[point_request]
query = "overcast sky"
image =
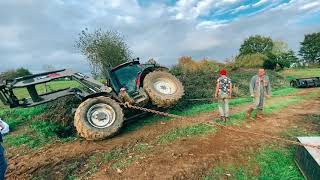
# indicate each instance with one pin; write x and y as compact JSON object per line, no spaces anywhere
{"x":35,"y":33}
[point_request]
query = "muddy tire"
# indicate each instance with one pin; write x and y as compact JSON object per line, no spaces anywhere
{"x":98,"y":118}
{"x":163,"y":88}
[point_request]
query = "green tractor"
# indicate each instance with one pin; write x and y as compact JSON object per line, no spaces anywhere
{"x":100,"y":115}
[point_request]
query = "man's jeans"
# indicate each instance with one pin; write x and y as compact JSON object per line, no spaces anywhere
{"x":3,"y":163}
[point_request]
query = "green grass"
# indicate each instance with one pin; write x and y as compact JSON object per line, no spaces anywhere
{"x":113,"y":155}
{"x":124,"y":162}
{"x":195,"y":110}
{"x":282,"y":104}
{"x":272,"y":162}
{"x":38,"y":134}
{"x":301,"y":73}
{"x":52,"y":86}
{"x":284,"y":92}
{"x":297,"y":131}
{"x":194,"y":130}
{"x":278,"y":163}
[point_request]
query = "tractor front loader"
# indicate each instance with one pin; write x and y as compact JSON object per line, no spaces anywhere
{"x":100,"y":115}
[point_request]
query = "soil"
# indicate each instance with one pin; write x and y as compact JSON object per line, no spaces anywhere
{"x":184,"y":159}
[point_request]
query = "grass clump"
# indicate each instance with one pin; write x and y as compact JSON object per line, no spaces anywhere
{"x":281,"y":105}
{"x":195,"y":130}
{"x":278,"y":163}
{"x":271,"y":162}
{"x":38,"y":134}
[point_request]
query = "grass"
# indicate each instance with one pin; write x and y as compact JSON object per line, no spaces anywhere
{"x":291,"y":74}
{"x":37,"y":135}
{"x":272,"y":163}
{"x":119,"y":158}
{"x":278,"y":163}
{"x":284,"y":92}
{"x":313,"y":130}
{"x":239,"y":118}
{"x":282,"y":104}
{"x":195,"y":130}
{"x":195,"y":110}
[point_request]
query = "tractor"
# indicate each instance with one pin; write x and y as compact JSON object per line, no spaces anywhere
{"x":101,"y":113}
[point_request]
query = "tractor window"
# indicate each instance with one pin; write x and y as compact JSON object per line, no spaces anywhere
{"x":127,"y":76}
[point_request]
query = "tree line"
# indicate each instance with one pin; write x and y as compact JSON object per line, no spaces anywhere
{"x":263,"y":51}
{"x":106,"y":49}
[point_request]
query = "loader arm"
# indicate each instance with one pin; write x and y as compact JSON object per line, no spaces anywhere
{"x":8,"y":96}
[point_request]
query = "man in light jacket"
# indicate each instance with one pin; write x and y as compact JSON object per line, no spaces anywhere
{"x":260,"y":88}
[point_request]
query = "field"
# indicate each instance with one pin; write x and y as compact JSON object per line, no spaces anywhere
{"x":301,"y":73}
{"x":42,"y":143}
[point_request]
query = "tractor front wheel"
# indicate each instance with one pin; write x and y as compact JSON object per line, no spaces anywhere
{"x":163,"y":88}
{"x":98,"y":118}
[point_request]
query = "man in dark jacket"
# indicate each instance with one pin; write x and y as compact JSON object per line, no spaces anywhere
{"x":4,"y":128}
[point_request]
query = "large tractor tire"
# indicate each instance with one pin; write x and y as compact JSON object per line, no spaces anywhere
{"x":98,"y":118}
{"x":163,"y":88}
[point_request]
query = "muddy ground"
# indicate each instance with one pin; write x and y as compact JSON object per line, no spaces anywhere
{"x":187,"y":158}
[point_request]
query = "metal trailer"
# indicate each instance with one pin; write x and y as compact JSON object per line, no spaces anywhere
{"x":308,"y":158}
{"x":305,"y":82}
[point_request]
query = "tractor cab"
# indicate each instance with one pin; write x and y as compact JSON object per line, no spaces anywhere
{"x":128,"y":75}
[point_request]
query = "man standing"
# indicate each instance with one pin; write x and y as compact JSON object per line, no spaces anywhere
{"x":223,"y":93}
{"x":259,"y":89}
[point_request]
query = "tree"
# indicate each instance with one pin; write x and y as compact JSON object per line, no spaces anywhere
{"x":281,"y":59}
{"x":256,"y":44}
{"x":279,"y":47}
{"x":255,"y":60}
{"x":11,"y":74}
{"x":22,"y":72}
{"x":270,"y":63}
{"x":310,"y":48}
{"x":286,"y":59}
{"x":103,"y":49}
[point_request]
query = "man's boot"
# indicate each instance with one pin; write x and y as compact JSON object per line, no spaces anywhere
{"x":226,"y":119}
{"x":259,"y":114}
{"x":248,"y":113}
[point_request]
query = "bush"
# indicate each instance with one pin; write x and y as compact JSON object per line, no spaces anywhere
{"x":251,"y":60}
{"x":199,"y":80}
{"x":269,"y":64}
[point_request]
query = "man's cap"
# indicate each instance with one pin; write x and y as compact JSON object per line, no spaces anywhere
{"x":223,"y":72}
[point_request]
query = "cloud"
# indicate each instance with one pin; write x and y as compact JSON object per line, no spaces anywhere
{"x":259,"y":3}
{"x":35,"y":32}
{"x":310,"y":5}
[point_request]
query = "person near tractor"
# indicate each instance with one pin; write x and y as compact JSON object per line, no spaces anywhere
{"x":260,"y":89}
{"x":223,"y":93}
{"x":4,"y":128}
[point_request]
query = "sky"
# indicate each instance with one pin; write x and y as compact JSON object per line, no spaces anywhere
{"x":37,"y":33}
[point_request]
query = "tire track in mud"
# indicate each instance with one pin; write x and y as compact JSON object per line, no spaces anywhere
{"x":23,"y":167}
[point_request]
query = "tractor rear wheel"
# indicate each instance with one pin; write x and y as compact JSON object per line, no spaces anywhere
{"x":163,"y":88}
{"x":98,"y":118}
